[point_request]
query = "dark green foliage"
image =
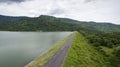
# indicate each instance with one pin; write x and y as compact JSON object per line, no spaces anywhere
{"x":49,"y":23}
{"x":116,"y":59}
{"x":82,"y":54}
{"x":42,"y":23}
{"x":110,"y":42}
{"x":98,"y":34}
{"x":105,"y":39}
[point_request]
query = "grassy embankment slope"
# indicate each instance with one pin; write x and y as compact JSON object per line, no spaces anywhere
{"x":82,"y":54}
{"x":41,"y":60}
{"x":113,"y":54}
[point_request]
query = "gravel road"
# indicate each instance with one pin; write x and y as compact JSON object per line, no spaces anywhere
{"x":58,"y":58}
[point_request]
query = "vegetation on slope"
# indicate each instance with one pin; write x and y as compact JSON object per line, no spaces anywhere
{"x":82,"y":54}
{"x":90,"y":50}
{"x":42,"y":59}
{"x":49,"y":23}
{"x":108,"y":44}
{"x":97,"y":33}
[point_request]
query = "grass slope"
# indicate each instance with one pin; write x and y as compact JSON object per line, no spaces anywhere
{"x":82,"y":54}
{"x":113,"y":54}
{"x":40,"y":61}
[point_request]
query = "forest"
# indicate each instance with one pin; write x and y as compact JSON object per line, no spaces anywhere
{"x":105,"y":37}
{"x":106,"y":43}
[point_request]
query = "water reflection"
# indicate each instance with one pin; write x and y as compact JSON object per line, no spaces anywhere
{"x":19,"y":48}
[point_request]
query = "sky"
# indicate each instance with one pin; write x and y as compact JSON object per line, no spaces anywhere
{"x":82,"y":10}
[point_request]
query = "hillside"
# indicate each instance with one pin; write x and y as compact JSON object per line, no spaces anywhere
{"x":10,"y":18}
{"x":97,"y":43}
{"x":82,"y":54}
{"x":50,"y":23}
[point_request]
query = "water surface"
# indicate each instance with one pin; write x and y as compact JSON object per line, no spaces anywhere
{"x":19,"y":48}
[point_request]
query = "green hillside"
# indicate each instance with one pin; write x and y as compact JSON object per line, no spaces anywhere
{"x":82,"y":54}
{"x":108,"y":44}
{"x":50,"y":23}
{"x":97,"y":45}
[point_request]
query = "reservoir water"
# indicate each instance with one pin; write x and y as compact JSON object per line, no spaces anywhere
{"x":19,"y":48}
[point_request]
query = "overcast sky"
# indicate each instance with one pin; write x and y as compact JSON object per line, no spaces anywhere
{"x":83,"y":10}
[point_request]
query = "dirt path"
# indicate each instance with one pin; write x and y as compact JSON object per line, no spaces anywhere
{"x":57,"y":59}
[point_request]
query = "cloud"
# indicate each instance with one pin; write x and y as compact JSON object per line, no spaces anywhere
{"x":56,"y":11}
{"x":86,"y":1}
{"x":7,"y":1}
{"x":83,"y":10}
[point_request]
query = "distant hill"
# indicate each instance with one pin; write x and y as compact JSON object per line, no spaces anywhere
{"x":99,"y":44}
{"x":10,"y":18}
{"x":50,"y":23}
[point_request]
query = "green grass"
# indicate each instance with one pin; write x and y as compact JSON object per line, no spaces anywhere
{"x":111,"y":55}
{"x":82,"y":54}
{"x":107,"y":51}
{"x":40,"y":61}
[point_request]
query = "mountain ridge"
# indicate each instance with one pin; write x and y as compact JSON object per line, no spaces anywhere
{"x":37,"y":22}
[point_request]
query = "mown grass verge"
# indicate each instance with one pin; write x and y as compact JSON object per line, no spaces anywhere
{"x":82,"y":54}
{"x":40,"y":61}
